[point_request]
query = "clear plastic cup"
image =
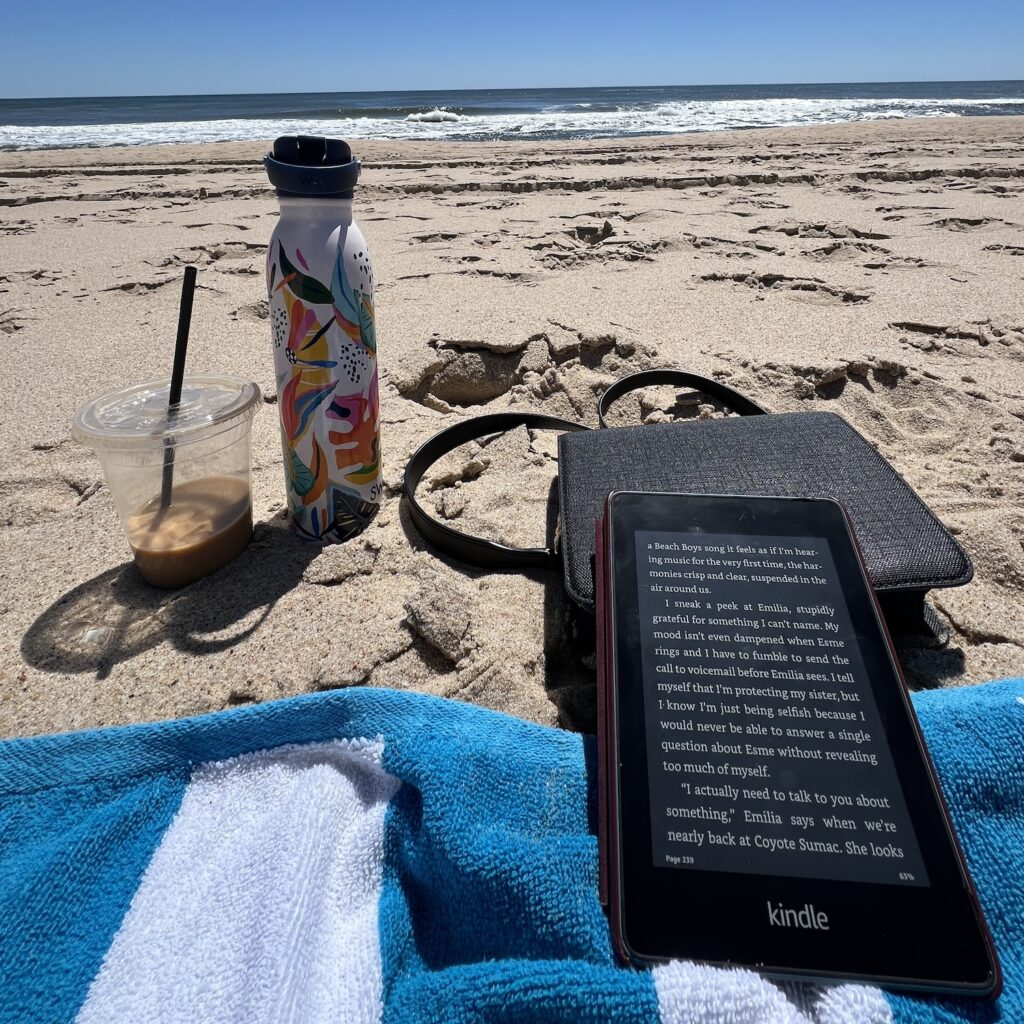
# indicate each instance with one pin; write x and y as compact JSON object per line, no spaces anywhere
{"x":208,"y":520}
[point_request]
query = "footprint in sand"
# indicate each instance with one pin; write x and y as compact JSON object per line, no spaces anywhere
{"x":254,"y":312}
{"x":801,"y":289}
{"x":456,"y":373}
{"x":970,"y":223}
{"x":820,"y":229}
{"x":979,"y":338}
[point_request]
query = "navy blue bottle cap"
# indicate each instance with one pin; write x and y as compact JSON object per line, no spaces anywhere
{"x":310,"y":165}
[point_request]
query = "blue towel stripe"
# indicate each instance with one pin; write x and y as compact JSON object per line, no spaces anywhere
{"x":70,"y":862}
{"x":180,"y":744}
{"x":975,"y":736}
{"x":490,"y":909}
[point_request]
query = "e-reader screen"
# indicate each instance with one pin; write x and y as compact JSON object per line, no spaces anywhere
{"x":765,"y":748}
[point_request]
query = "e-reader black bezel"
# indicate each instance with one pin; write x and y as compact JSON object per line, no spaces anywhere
{"x":932,"y":938}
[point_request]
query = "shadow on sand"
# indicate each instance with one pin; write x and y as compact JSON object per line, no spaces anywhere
{"x":117,"y":615}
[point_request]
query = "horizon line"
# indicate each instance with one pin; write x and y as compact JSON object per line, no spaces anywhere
{"x":518,"y":88}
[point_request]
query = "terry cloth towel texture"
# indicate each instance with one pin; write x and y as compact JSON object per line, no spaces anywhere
{"x":368,"y":855}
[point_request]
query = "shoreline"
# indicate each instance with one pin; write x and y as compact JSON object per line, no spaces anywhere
{"x":868,"y":268}
{"x":232,"y":150}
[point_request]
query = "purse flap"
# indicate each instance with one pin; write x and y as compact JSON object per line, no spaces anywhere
{"x":789,"y":455}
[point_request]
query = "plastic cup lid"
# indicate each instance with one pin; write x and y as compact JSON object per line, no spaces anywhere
{"x":138,"y":416}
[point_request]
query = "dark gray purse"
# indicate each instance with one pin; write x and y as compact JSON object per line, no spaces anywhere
{"x":816,"y":454}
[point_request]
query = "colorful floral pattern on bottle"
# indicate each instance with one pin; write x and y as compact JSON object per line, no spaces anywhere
{"x":325,"y":354}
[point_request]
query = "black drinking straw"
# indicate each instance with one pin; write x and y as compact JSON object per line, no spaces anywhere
{"x":188,"y":288}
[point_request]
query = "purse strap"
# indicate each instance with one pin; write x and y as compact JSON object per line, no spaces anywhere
{"x":680,"y":378}
{"x":465,"y":546}
{"x":490,"y":554}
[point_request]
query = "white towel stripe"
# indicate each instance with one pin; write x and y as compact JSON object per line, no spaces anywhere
{"x":689,"y":992}
{"x":261,"y":902}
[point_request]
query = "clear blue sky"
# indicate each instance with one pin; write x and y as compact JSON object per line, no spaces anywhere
{"x":106,"y":47}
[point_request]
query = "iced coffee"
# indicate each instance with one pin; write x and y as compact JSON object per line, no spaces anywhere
{"x":207,"y":523}
{"x":188,"y":525}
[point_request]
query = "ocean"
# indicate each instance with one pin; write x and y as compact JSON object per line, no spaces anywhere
{"x":486,"y":114}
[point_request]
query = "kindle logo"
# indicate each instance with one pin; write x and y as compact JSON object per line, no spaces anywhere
{"x":808,"y":918}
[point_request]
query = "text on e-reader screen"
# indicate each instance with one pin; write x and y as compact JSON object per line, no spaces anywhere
{"x":765,"y":749}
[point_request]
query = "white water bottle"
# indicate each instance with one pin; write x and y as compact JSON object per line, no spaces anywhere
{"x":320,"y":287}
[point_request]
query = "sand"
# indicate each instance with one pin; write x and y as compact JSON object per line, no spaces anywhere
{"x":871,"y":269}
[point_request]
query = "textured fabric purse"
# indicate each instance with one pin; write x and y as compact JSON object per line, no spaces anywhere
{"x":817,"y":454}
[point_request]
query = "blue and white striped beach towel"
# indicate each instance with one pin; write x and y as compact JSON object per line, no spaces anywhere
{"x":372,"y":855}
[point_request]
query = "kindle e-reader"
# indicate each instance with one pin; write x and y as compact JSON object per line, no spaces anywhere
{"x":767,"y":798}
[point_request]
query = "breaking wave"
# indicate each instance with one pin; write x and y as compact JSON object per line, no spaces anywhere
{"x":434,"y":116}
{"x":573,"y":120}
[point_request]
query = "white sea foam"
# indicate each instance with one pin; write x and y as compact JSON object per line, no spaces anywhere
{"x":577,"y":122}
{"x":437,"y":116}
